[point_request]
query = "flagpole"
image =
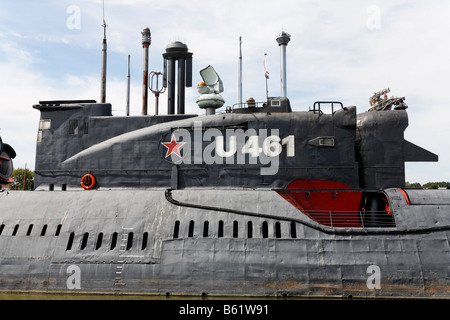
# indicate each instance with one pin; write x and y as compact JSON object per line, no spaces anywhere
{"x":266,"y":75}
{"x":240,"y":74}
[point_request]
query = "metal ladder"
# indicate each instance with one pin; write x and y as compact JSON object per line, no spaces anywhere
{"x":118,"y":281}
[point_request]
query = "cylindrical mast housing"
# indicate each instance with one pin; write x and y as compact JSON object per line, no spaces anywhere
{"x":146,"y":40}
{"x":283,"y":39}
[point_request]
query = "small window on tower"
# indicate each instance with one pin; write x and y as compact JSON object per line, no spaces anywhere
{"x":85,"y":127}
{"x":73,"y":127}
{"x":44,"y":124}
{"x":275,"y":103}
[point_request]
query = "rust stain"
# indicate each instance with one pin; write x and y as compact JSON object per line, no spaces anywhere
{"x":433,"y":290}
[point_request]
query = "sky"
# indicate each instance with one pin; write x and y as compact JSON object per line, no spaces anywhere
{"x":339,"y":50}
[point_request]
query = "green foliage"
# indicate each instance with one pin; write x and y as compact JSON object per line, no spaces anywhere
{"x":428,"y":185}
{"x":18,"y":176}
{"x":414,"y":185}
{"x":436,"y":185}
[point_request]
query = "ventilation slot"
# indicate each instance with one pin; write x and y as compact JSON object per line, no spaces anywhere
{"x":277,"y":230}
{"x":58,"y":229}
{"x":176,"y":229}
{"x":44,"y":230}
{"x":84,"y":241}
{"x":250,"y":230}
{"x":247,"y":230}
{"x":69,"y":244}
{"x":205,"y":229}
{"x":265,"y":230}
{"x":144,"y":241}
{"x":16,"y":228}
{"x":30,"y":228}
{"x":98,"y":244}
{"x":220,"y":231}
{"x":130,"y":240}
{"x":235,"y":229}
{"x":293,"y":230}
{"x":191,"y":229}
{"x":113,"y":241}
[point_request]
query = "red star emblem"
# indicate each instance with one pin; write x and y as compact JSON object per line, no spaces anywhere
{"x":173,"y":146}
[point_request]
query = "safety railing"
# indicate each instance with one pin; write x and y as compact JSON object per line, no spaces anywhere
{"x":352,"y":219}
{"x":317,"y":106}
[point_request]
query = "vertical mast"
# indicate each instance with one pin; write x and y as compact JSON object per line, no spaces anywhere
{"x":146,"y":40}
{"x":240,"y":74}
{"x":104,"y":49}
{"x":266,"y":75}
{"x":283,"y":39}
{"x":128,"y":87}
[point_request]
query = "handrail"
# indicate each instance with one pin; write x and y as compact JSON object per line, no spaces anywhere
{"x":318,"y":103}
{"x":255,"y":104}
{"x":339,"y":219}
{"x":313,"y":225}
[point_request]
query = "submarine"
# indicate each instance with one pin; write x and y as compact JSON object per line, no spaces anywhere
{"x":255,"y":201}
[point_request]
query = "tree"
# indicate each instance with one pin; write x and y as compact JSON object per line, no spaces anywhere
{"x":436,"y":185}
{"x":414,"y":185}
{"x":18,"y":176}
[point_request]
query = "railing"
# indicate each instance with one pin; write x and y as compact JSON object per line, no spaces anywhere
{"x":317,"y":104}
{"x":352,"y":219}
{"x":249,"y":104}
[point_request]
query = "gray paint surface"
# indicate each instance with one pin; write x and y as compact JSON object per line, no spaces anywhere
{"x":157,"y":225}
{"x":413,"y":264}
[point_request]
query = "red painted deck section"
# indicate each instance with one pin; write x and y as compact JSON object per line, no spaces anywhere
{"x":326,"y":202}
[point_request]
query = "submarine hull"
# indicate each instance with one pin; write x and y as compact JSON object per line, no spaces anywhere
{"x":233,"y":242}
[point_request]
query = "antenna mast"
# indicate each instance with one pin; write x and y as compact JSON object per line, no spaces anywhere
{"x":128,"y":88}
{"x":283,"y":39}
{"x":240,"y":74}
{"x":266,"y":75}
{"x":146,"y":40}
{"x":104,"y":47}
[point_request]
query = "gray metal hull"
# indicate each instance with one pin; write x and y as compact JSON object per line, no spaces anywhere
{"x":258,"y":245}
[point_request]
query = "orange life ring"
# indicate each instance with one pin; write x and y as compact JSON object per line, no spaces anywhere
{"x":87,"y":181}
